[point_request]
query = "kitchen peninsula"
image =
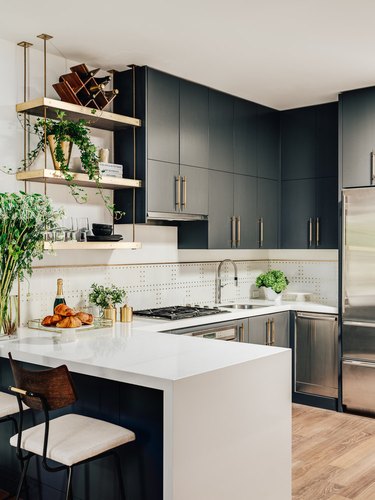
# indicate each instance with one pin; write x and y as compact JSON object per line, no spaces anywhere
{"x":202,"y":410}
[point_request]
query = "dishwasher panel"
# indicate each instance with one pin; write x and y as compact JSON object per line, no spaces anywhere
{"x":316,"y":361}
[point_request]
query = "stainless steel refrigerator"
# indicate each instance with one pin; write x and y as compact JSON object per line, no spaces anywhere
{"x":358,"y":299}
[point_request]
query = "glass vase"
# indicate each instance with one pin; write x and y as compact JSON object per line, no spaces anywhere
{"x":10,"y":317}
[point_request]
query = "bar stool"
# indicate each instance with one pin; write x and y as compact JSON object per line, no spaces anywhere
{"x":70,"y":439}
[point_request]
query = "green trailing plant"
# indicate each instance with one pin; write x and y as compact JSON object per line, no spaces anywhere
{"x":78,"y":133}
{"x":274,"y":279}
{"x":106,"y":296}
{"x":23,"y":220}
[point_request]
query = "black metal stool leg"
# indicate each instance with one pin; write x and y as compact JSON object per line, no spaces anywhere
{"x":119,"y":473}
{"x":25,"y":465}
{"x":69,"y":492}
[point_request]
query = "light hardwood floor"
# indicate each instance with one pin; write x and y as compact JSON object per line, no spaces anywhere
{"x":333,"y":455}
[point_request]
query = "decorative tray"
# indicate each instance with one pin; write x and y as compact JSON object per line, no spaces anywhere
{"x":36,"y":324}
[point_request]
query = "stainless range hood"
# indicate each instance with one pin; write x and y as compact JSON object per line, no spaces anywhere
{"x":171,"y":216}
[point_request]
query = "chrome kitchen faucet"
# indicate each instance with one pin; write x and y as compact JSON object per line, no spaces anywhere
{"x":219,"y":286}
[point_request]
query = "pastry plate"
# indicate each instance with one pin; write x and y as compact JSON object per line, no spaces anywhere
{"x":36,"y":324}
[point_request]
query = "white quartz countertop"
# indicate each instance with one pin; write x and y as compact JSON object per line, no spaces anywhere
{"x":139,"y":353}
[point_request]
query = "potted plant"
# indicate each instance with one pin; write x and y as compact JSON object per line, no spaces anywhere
{"x":274,"y":282}
{"x":107,"y":298}
{"x":23,"y":220}
{"x":61,"y":134}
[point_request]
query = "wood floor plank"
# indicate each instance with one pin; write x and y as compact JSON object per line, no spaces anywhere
{"x":333,"y":455}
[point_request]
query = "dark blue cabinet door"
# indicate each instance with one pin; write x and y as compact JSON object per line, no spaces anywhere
{"x":298,"y":213}
{"x":221,"y":131}
{"x":358,"y":136}
{"x":268,"y":143}
{"x":220,"y":209}
{"x":298,"y":143}
{"x":327,"y":220}
{"x":245,"y":207}
{"x":268,"y":211}
{"x":193,"y":124}
{"x":327,"y":140}
{"x":163,"y":117}
{"x":245,"y":135}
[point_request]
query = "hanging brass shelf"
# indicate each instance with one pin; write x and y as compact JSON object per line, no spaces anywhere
{"x":50,"y":176}
{"x":92,"y":245}
{"x":95,"y":118}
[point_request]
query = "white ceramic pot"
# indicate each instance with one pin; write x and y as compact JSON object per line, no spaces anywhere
{"x":271,"y":295}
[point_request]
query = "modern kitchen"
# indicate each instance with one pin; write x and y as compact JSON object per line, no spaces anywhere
{"x":187,"y":252}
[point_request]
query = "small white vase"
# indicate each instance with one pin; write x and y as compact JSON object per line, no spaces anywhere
{"x":272,"y":295}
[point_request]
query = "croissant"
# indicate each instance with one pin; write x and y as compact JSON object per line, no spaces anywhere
{"x":64,"y":310}
{"x":51,"y":320}
{"x":69,"y":322}
{"x":86,"y":318}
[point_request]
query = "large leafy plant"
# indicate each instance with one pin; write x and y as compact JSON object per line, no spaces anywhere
{"x":23,"y":220}
{"x":274,"y":279}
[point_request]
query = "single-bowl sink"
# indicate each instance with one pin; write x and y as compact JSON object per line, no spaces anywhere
{"x":241,"y":306}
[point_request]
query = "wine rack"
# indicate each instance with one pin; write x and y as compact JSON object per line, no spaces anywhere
{"x":82,"y":87}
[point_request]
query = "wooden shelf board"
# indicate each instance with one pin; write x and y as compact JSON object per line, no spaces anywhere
{"x":93,"y":245}
{"x":55,"y":177}
{"x":100,"y":119}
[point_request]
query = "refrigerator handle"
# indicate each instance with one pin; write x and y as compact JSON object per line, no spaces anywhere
{"x":343,"y":265}
{"x":363,"y":324}
{"x":358,"y":363}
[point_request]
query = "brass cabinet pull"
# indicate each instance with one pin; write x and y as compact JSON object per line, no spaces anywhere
{"x":178,"y":192}
{"x":233,"y":232}
{"x":184,"y":192}
{"x":273,"y":332}
{"x":317,"y":225}
{"x":261,"y":231}
{"x":268,"y":332}
{"x":310,"y":231}
{"x":242,"y":331}
{"x":372,"y":167}
{"x":238,"y":232}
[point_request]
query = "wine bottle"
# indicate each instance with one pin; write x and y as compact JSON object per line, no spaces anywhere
{"x":96,"y":88}
{"x":60,"y":299}
{"x":111,"y":93}
{"x":83,"y":70}
{"x":104,"y":80}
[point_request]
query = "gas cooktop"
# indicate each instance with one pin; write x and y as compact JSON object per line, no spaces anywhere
{"x":178,"y":312}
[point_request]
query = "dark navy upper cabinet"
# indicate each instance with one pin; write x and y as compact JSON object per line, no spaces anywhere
{"x":298,"y":143}
{"x":221,"y":131}
{"x":163,"y":116}
{"x":245,"y":137}
{"x":309,"y":165}
{"x":193,"y":124}
{"x":327,"y":140}
{"x":358,"y":137}
{"x":268,"y":143}
{"x":268,"y":213}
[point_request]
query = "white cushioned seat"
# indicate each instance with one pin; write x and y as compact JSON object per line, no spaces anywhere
{"x":8,"y":404}
{"x":73,"y":438}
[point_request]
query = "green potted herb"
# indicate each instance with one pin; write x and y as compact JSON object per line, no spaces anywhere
{"x":107,"y":298}
{"x":23,"y":220}
{"x":274,"y":282}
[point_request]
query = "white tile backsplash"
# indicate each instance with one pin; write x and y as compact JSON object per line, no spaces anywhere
{"x":153,"y":285}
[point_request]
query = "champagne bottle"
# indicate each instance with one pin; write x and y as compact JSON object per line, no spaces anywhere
{"x":60,"y":299}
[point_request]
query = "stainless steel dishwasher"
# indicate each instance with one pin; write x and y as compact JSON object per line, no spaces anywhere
{"x":315,"y":354}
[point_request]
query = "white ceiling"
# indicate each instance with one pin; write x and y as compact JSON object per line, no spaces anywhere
{"x":281,"y":53}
